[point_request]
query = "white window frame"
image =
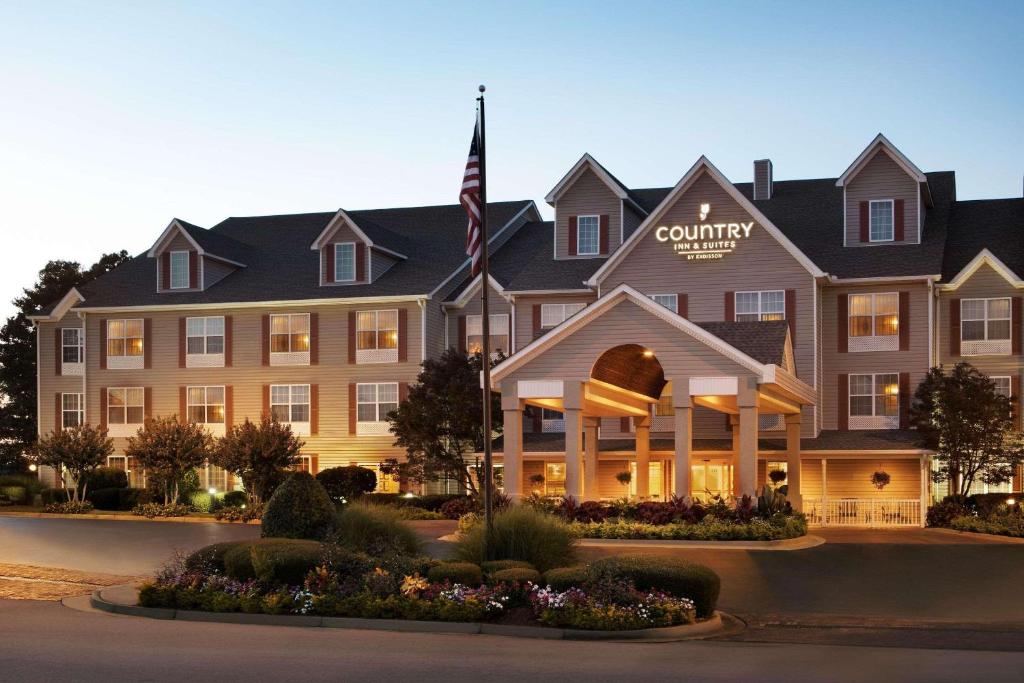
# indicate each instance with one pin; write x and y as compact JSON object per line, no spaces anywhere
{"x":873,"y":341}
{"x":338,"y":262}
{"x":378,"y":427}
{"x":871,"y":220}
{"x":72,"y":367}
{"x":674,"y":307}
{"x":376,"y":354}
{"x":124,"y":360}
{"x":874,"y":420}
{"x":597,"y":235}
{"x":180,"y":284}
{"x":1009,"y":384}
{"x":987,"y":346}
{"x":299,"y":427}
{"x":122,"y":463}
{"x":474,"y":328}
{"x":291,"y":356}
{"x":77,"y":408}
{"x":205,"y":359}
{"x":761,"y":312}
{"x":553,"y":315}
{"x":216,"y":428}
{"x":125,"y":428}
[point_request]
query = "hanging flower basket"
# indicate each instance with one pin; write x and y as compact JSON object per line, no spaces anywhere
{"x":880,"y":479}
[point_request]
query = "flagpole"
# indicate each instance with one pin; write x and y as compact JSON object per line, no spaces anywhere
{"x":486,"y":331}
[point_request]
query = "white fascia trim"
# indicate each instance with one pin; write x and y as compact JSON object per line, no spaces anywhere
{"x":573,"y":175}
{"x":603,"y":305}
{"x":224,"y":260}
{"x":869,"y":152}
{"x":60,"y":310}
{"x":702,"y":165}
{"x":258,"y":304}
{"x":342,"y":217}
{"x":984,"y":257}
{"x":542,"y":292}
{"x":881,"y":280}
{"x":171,"y":227}
{"x":473,"y":288}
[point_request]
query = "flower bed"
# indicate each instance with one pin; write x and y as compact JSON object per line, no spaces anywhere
{"x":708,"y":529}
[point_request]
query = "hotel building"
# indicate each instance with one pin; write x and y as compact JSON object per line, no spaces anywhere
{"x":698,"y":336}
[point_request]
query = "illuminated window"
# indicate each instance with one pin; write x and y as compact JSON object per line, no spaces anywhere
{"x":880,"y":220}
{"x":204,"y":335}
{"x":345,"y":262}
{"x":553,"y":315}
{"x":874,"y":315}
{"x":72,"y":410}
{"x":125,"y":337}
{"x":71,"y":345}
{"x":475,"y":334}
{"x":179,"y":270}
{"x":754,"y":306}
{"x":669,"y":301}
{"x":588,"y":239}
{"x":775,"y":466}
{"x":875,"y":395}
{"x":663,"y":408}
{"x":126,"y":405}
{"x":373,"y":403}
{"x":1004,"y":386}
{"x":554,"y":479}
{"x":377,"y":330}
{"x":985,"y":319}
{"x":289,"y":333}
{"x":205,"y":405}
{"x":289,"y":402}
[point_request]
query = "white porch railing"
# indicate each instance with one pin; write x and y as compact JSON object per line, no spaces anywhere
{"x":863,"y":512}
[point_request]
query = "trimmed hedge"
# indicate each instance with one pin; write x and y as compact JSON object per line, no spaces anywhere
{"x":432,"y":502}
{"x":564,"y":578}
{"x":299,"y":508}
{"x":54,"y":495}
{"x":118,"y":499}
{"x":105,"y":478}
{"x":515,"y":575}
{"x":675,"y":577}
{"x":234,"y":499}
{"x":211,"y":558}
{"x":347,"y":483}
{"x":499,"y":565}
{"x":285,"y":561}
{"x":238,"y":561}
{"x":986,"y":504}
{"x":466,"y":573}
{"x":18,"y":495}
{"x":29,"y":482}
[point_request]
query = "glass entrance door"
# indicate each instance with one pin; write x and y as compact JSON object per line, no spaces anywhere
{"x":708,"y":479}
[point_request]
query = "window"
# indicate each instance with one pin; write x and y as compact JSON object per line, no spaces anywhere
{"x":373,"y":403}
{"x":345,"y":262}
{"x":72,"y":410}
{"x":204,"y":336}
{"x":305,"y":464}
{"x":669,"y":301}
{"x":985,"y":326}
{"x":874,"y":315}
{"x":554,"y":478}
{"x":475,"y":334}
{"x":553,"y":315}
{"x":588,"y":239}
{"x":126,"y":406}
{"x":205,"y":405}
{"x":880,"y":224}
{"x":124,"y":338}
{"x":289,"y":402}
{"x":377,"y":336}
{"x":551,"y":421}
{"x":289,"y":333}
{"x":180,"y":270}
{"x":1003,"y":386}
{"x":874,"y":401}
{"x":71,"y":345}
{"x":754,"y":306}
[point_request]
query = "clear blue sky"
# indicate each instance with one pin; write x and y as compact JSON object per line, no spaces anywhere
{"x":114,"y":118}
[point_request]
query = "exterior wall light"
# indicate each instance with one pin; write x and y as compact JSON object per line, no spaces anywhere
{"x":648,"y":353}
{"x":32,"y":467}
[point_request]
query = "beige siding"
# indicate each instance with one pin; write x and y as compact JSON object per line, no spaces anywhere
{"x":913,"y":361}
{"x":851,"y":478}
{"x":496,"y":304}
{"x":608,"y":487}
{"x":435,"y":326}
{"x":214,"y":271}
{"x":631,"y":220}
{"x":524,"y":311}
{"x":49,"y":382}
{"x":588,"y":195}
{"x":882,"y":178}
{"x":380,"y":263}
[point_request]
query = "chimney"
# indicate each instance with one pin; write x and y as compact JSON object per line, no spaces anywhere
{"x":763,"y":179}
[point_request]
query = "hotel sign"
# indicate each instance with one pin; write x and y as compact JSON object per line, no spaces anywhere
{"x":704,"y":241}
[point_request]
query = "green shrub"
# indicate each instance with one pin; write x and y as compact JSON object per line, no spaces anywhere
{"x":105,"y":499}
{"x":414,"y":514}
{"x":18,"y":495}
{"x":299,"y":508}
{"x":69,"y":508}
{"x":210,"y":559}
{"x":942,"y":513}
{"x":151,"y":510}
{"x":520,"y":533}
{"x":29,"y":482}
{"x":203,"y":501}
{"x":498,"y":565}
{"x":285,"y":561}
{"x":515,"y":575}
{"x":105,"y":478}
{"x":466,"y":573}
{"x":457,"y":507}
{"x":673,"y":576}
{"x":54,"y":495}
{"x":999,"y":524}
{"x":238,"y":561}
{"x":988,"y":504}
{"x":374,"y":529}
{"x":347,"y":483}
{"x":564,"y":578}
{"x":234,"y":499}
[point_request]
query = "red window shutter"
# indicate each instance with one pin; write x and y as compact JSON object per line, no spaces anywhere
{"x":183,"y":405}
{"x":352,"y":408}
{"x":314,"y":409}
{"x":103,"y":407}
{"x":603,"y":231}
{"x":843,"y":323}
{"x":329,"y":255}
{"x":229,"y":406}
{"x":1015,"y":401}
{"x":904,"y":321}
{"x":103,"y":344}
{"x":954,"y":327}
{"x":536,"y":320}
{"x":843,"y":402}
{"x":58,"y":412}
{"x":58,"y":351}
{"x":265,"y":341}
{"x":462,"y":333}
{"x":683,"y":305}
{"x":624,"y":425}
{"x":904,"y":400}
{"x":1015,"y":320}
{"x":403,"y":391}
{"x":351,"y":337}
{"x":266,"y":400}
{"x":193,"y":270}
{"x":147,"y":343}
{"x":314,"y":464}
{"x":314,"y":338}
{"x":573,"y":248}
{"x":865,"y":235}
{"x":403,"y":335}
{"x":360,"y":262}
{"x":182,"y":342}
{"x":730,"y":306}
{"x":229,"y":339}
{"x":147,"y":397}
{"x":898,"y":230}
{"x":165,"y":270}
{"x":791,"y":313}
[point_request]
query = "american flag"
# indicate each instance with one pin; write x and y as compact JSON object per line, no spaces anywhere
{"x":469,"y":197}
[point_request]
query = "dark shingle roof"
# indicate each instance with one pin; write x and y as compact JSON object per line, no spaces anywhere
{"x":764,"y":341}
{"x":993,"y":224}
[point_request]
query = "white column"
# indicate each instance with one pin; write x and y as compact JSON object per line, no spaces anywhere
{"x":643,"y":457}
{"x":590,"y":457}
{"x":793,"y":462}
{"x":746,"y":458}
{"x":513,"y":453}
{"x":684,"y":436}
{"x":573,"y":461}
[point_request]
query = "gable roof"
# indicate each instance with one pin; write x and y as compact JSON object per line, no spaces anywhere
{"x":205,"y":242}
{"x":880,"y":142}
{"x":387,"y":241}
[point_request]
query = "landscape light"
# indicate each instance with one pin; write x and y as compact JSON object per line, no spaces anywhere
{"x":212,"y":490}
{"x":32,"y":467}
{"x":1011,"y":501}
{"x":409,"y":495}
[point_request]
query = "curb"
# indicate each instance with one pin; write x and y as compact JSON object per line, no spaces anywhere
{"x":124,"y":518}
{"x":988,"y":538}
{"x":715,"y":626}
{"x":801,"y":543}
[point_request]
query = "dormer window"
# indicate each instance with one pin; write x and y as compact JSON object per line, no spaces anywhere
{"x":588,"y":235}
{"x":881,"y":224}
{"x":345,"y":262}
{"x":179,"y":270}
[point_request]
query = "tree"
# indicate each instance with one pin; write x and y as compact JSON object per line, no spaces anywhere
{"x":440,"y":421}
{"x":347,"y":483}
{"x":258,"y":454}
{"x":167,"y":449}
{"x":79,"y":451}
{"x":969,"y":425}
{"x":18,"y":430}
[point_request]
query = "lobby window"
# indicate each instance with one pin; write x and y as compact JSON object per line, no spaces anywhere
{"x":553,"y":315}
{"x":72,"y":412}
{"x":126,"y":405}
{"x":204,"y":336}
{"x":588,"y":235}
{"x":125,"y":338}
{"x":475,"y":334}
{"x":874,"y":401}
{"x":754,"y":306}
{"x":377,"y":336}
{"x":874,"y":322}
{"x":985,"y":326}
{"x":669,"y":301}
{"x":290,"y":403}
{"x":179,"y":270}
{"x":775,"y":466}
{"x":373,"y":403}
{"x":205,"y":405}
{"x":72,"y":343}
{"x":345,"y":262}
{"x":289,"y":334}
{"x":880,"y":217}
